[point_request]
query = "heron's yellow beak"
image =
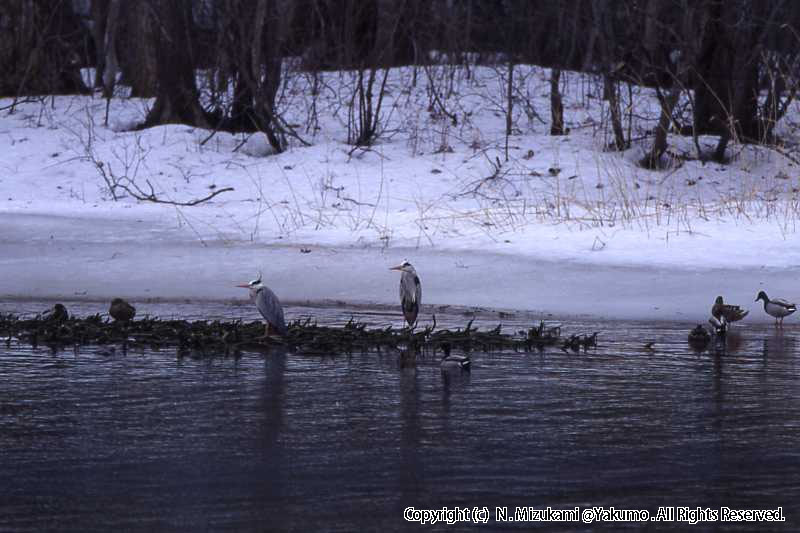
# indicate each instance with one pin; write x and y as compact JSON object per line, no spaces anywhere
{"x":244,"y":286}
{"x":398,"y":267}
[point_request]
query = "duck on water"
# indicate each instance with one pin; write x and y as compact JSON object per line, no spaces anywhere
{"x":454,"y":362}
{"x":777,"y":308}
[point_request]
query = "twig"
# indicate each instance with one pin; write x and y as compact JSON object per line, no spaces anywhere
{"x":139,"y":194}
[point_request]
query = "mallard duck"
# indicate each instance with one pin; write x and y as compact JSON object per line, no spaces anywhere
{"x":410,"y":292}
{"x":268,"y":305}
{"x":732,"y":313}
{"x":777,"y":308}
{"x":719,"y":330}
{"x":121,"y":310}
{"x":57,"y":314}
{"x":453,"y":362}
{"x":719,"y":327}
{"x":699,"y":338}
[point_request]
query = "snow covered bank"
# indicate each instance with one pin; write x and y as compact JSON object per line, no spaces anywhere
{"x":45,"y":257}
{"x":560,"y":226}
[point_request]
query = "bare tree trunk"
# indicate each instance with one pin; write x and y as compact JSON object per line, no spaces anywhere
{"x":253,"y":39}
{"x":509,"y":104}
{"x":39,"y":48}
{"x":727,"y":68}
{"x":556,"y":106}
{"x":364,"y":123}
{"x":610,"y":93}
{"x":652,"y":46}
{"x":267,"y":87}
{"x":722,"y":145}
{"x":774,"y":109}
{"x":363,"y":130}
{"x":110,"y":46}
{"x":176,"y":99}
{"x":99,"y":11}
{"x":388,"y":16}
{"x":139,"y":65}
{"x":603,"y":30}
{"x":653,"y":159}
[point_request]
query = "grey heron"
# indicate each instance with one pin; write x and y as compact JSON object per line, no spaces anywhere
{"x":121,"y":310}
{"x":777,"y":308}
{"x":410,"y":292}
{"x":268,"y":305}
{"x":732,"y":313}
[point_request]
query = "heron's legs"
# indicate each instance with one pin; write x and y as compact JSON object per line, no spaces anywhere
{"x":269,"y":331}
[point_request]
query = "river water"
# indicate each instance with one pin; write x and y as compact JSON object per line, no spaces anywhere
{"x":98,"y":440}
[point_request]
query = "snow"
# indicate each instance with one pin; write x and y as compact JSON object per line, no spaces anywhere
{"x":564,"y":227}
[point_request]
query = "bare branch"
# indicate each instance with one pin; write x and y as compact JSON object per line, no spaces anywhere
{"x":151,"y":196}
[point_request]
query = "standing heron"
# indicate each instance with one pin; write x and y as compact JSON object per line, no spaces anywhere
{"x":777,"y":308}
{"x":121,"y":310}
{"x":268,"y":305}
{"x":410,"y":292}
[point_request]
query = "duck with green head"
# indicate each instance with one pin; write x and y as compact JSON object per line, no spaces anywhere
{"x":777,"y":308}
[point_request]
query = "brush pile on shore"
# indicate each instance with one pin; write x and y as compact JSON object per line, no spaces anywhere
{"x":201,"y":337}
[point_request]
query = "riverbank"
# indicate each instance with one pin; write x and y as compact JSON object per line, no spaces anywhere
{"x":97,"y":259}
{"x":552,"y":225}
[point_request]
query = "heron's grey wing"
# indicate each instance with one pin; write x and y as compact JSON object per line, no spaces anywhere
{"x":270,"y":308}
{"x":410,"y":296}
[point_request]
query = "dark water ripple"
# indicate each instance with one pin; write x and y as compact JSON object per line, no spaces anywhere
{"x":147,"y":441}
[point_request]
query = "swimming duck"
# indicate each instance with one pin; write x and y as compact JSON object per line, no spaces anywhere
{"x":777,"y":308}
{"x":453,"y":362}
{"x":732,"y":313}
{"x":121,"y":310}
{"x":699,"y":338}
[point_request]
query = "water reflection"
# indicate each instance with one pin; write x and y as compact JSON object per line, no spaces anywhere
{"x":412,"y":472}
{"x":281,"y":441}
{"x":779,"y":344}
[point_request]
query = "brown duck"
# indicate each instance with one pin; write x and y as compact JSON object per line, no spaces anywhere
{"x":57,"y":314}
{"x":732,"y":313}
{"x":121,"y":310}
